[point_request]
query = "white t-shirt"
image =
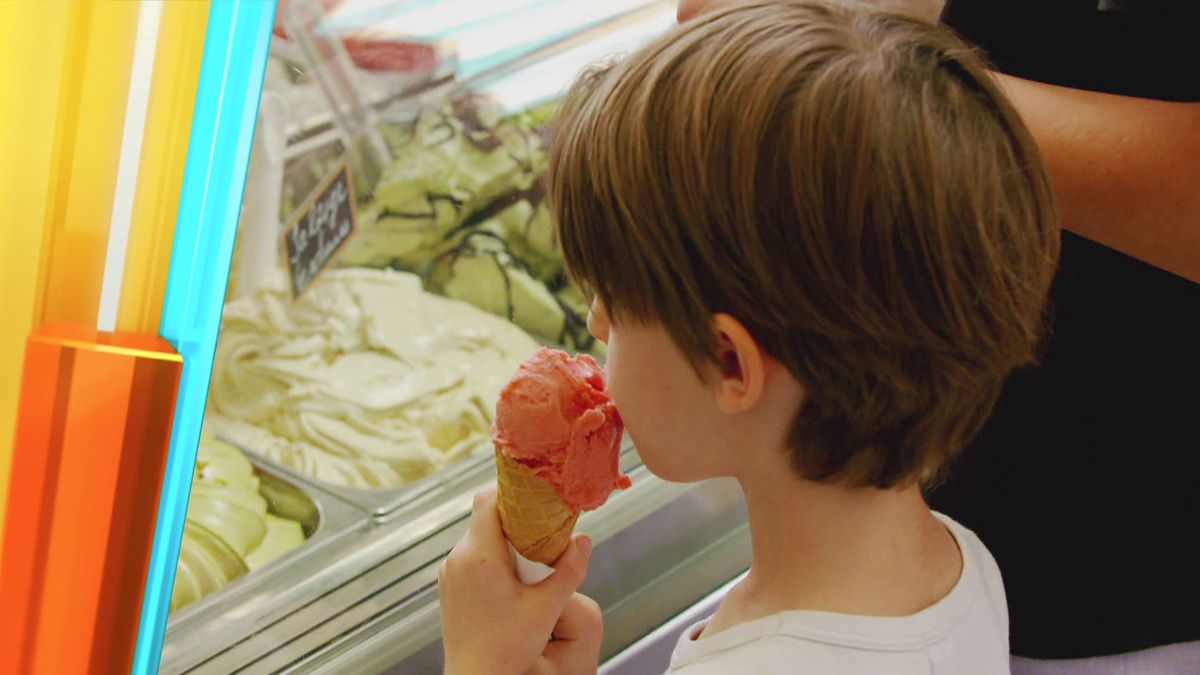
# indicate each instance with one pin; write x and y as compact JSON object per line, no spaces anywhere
{"x":964,"y":632}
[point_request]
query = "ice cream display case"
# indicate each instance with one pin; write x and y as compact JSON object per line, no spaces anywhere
{"x":357,"y":370}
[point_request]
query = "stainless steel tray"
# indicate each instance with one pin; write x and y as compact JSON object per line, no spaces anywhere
{"x":253,"y":600}
{"x":311,"y":592}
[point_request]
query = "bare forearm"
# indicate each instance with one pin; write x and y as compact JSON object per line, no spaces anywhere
{"x":1125,"y":171}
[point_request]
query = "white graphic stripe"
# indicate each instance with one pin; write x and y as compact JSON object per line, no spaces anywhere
{"x":145,"y":45}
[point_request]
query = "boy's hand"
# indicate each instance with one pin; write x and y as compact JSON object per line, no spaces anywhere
{"x":492,"y":623}
{"x":687,"y":9}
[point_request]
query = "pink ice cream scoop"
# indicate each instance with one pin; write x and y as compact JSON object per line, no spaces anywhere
{"x":556,"y":418}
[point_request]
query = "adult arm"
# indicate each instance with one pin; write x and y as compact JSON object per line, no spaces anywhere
{"x":1125,"y":171}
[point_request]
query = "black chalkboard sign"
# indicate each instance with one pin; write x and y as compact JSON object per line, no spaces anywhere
{"x":319,"y":228}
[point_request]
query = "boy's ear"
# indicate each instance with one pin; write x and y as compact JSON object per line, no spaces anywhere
{"x":741,"y":367}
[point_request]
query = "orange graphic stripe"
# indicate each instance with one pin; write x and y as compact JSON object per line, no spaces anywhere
{"x":92,"y":434}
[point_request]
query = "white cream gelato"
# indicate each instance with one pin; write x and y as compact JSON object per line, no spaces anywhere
{"x":365,"y":381}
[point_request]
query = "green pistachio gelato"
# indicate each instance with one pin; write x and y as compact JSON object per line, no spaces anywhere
{"x":463,"y":205}
{"x":228,"y":530}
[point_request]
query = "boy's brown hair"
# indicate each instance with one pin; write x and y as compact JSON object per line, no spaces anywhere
{"x":851,"y":186}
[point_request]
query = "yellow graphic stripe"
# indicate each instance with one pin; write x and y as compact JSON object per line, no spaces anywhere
{"x":91,"y":118}
{"x":31,"y":67}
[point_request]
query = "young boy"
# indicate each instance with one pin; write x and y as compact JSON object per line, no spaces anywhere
{"x":819,"y":240}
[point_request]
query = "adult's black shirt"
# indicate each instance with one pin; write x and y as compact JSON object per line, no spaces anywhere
{"x":1085,"y":484}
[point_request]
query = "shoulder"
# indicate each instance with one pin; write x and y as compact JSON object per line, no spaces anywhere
{"x":966,"y":631}
{"x":981,"y":575}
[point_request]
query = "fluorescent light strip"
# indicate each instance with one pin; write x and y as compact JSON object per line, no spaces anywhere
{"x":524,"y":31}
{"x":549,"y":79}
{"x":439,"y":19}
{"x":145,"y":44}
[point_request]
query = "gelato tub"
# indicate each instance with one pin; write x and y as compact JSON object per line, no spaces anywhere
{"x":221,"y":590}
{"x":238,"y":519}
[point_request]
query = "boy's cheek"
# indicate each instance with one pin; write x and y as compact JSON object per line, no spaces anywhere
{"x":668,"y":462}
{"x":662,"y":446}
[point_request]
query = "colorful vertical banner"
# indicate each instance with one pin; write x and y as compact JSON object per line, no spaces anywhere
{"x":97,"y":104}
{"x":227,"y":97}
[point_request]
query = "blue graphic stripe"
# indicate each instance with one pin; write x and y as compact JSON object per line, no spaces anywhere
{"x":227,"y":96}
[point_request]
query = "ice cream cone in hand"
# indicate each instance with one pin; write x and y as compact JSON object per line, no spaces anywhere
{"x":557,"y":437}
{"x":535,"y":519}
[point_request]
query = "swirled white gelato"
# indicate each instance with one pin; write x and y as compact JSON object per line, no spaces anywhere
{"x":365,"y":381}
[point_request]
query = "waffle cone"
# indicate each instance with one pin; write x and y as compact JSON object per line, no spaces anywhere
{"x":535,"y":520}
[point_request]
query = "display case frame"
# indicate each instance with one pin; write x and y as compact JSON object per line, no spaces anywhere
{"x":361,"y":595}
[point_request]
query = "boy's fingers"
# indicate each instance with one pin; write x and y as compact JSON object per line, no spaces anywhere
{"x":484,"y":534}
{"x":578,"y":633}
{"x":485,"y":517}
{"x":571,"y":568}
{"x":581,"y":620}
